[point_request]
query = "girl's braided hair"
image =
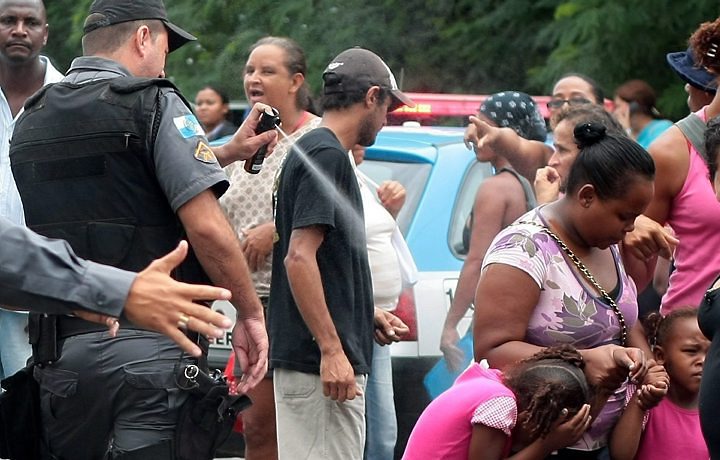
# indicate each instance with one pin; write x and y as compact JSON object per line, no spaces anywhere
{"x":545,"y":384}
{"x":658,"y":327}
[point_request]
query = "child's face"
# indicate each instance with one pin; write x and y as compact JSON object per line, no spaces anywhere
{"x":683,"y":355}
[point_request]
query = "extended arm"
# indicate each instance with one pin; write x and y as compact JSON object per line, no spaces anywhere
{"x":524,"y":155}
{"x":47,"y":275}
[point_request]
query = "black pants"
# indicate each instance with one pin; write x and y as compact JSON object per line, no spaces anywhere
{"x":113,"y":395}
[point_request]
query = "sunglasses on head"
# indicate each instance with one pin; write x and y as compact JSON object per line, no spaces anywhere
{"x":557,"y":103}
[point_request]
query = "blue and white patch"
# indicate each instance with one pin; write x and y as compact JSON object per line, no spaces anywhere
{"x":188,"y":126}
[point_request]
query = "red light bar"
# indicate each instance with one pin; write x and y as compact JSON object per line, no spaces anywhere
{"x":459,"y":105}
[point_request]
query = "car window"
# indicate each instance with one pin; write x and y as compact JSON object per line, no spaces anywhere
{"x":413,"y":176}
{"x":463,"y":205}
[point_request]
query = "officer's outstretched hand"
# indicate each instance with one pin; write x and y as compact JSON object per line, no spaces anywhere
{"x":245,"y":142}
{"x":159,"y":303}
{"x":250,"y":344}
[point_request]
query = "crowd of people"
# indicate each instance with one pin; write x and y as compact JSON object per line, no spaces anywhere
{"x":569,"y":361}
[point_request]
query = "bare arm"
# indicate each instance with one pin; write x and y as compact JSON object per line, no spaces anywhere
{"x":305,"y":281}
{"x":648,"y":239}
{"x":504,"y":301}
{"x":219,"y":252}
{"x":526,"y":156}
{"x":625,"y":437}
{"x":488,"y":215}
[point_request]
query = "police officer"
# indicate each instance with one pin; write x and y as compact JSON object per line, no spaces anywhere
{"x":113,"y":160}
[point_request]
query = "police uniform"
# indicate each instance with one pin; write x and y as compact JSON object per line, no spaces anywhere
{"x":49,"y":276}
{"x":102,"y":391}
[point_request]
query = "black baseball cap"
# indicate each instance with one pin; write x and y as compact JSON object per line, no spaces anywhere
{"x":105,"y":13}
{"x":358,"y":69}
{"x":683,"y":63}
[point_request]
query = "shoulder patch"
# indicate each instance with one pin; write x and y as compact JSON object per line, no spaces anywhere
{"x":204,"y":153}
{"x":188,"y":126}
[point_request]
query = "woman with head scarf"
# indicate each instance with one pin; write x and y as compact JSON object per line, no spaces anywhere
{"x":500,"y":200}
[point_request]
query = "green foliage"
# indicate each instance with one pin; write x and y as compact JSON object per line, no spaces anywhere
{"x":462,"y":46}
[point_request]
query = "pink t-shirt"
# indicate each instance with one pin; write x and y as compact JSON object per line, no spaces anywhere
{"x":672,"y":432}
{"x":445,"y":427}
{"x":694,"y":216}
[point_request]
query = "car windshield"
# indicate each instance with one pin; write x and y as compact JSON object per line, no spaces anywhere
{"x":413,"y":176}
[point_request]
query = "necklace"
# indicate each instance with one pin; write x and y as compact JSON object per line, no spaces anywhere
{"x":589,"y":276}
{"x":300,"y":122}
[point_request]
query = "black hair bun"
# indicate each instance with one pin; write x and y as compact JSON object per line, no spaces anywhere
{"x":587,"y":134}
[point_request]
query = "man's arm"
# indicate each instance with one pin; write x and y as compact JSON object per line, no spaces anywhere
{"x":47,"y":275}
{"x":524,"y":155}
{"x":220,"y":254}
{"x":303,"y":273}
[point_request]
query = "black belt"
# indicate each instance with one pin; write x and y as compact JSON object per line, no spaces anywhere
{"x":68,"y":326}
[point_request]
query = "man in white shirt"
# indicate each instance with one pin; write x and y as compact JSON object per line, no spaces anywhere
{"x":23,"y":71}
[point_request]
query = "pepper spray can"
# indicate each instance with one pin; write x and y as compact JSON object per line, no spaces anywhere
{"x":270,"y":119}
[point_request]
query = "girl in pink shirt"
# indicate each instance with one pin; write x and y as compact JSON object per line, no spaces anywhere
{"x":538,"y":406}
{"x":670,"y":429}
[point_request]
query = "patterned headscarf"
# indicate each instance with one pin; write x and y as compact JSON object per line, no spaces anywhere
{"x":515,"y":110}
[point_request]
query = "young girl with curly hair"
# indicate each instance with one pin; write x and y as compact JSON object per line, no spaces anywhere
{"x":661,"y":419}
{"x":539,"y":405}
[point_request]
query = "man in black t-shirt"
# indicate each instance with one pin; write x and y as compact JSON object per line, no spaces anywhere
{"x":321,"y":305}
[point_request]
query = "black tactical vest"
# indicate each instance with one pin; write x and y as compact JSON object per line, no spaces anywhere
{"x":82,"y":157}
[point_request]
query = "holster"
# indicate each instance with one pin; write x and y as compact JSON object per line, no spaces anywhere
{"x":42,"y":330}
{"x":208,"y":416}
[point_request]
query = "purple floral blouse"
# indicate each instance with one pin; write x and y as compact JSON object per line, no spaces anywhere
{"x":567,"y":311}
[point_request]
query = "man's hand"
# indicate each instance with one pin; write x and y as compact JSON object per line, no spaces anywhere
{"x":250,"y":344}
{"x":648,"y":239}
{"x":159,"y":303}
{"x":338,"y":377}
{"x":245,"y":142}
{"x":392,"y":196}
{"x":388,"y":327}
{"x":547,"y":185}
{"x":257,"y":244}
